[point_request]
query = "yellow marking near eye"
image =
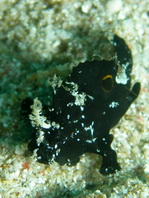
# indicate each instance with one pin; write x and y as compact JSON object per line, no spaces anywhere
{"x":107,"y":83}
{"x":107,"y":76}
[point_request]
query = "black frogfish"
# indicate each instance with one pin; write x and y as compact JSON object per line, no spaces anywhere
{"x":85,"y":107}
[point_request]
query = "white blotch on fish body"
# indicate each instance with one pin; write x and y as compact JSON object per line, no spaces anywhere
{"x":113,"y":104}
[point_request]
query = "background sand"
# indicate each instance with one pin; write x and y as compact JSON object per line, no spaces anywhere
{"x":41,"y":37}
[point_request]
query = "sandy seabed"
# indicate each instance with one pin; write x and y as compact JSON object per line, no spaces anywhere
{"x":39,"y":38}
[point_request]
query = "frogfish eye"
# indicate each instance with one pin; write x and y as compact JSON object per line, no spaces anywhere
{"x":107,"y":83}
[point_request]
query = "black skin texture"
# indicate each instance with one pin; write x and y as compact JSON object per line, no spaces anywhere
{"x":98,"y":80}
